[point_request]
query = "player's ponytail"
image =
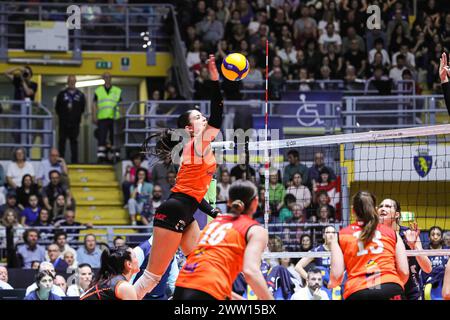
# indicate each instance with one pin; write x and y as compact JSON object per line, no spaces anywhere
{"x":241,"y":195}
{"x":165,"y":141}
{"x":364,"y":208}
{"x":112,"y":263}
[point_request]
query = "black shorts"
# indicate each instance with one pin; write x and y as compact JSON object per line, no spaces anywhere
{"x":191,"y":294}
{"x":386,"y":291}
{"x":176,"y":213}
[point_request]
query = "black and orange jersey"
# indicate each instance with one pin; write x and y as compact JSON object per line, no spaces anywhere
{"x":218,"y":258}
{"x":370,"y":264}
{"x":106,"y":290}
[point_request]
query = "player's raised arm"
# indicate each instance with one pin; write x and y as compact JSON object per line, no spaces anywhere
{"x":444,"y":75}
{"x":215,"y":118}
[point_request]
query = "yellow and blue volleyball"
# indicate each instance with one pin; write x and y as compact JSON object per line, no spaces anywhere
{"x":235,"y":67}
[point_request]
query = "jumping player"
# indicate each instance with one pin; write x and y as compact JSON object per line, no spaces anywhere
{"x":373,"y":255}
{"x":174,"y":224}
{"x":118,"y":265}
{"x":231,"y":243}
{"x":389,"y":212}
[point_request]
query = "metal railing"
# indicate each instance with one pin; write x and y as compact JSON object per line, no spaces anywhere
{"x":24,"y":123}
{"x":121,"y":26}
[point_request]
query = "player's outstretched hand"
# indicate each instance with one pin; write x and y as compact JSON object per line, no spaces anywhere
{"x":444,"y":69}
{"x":213,"y":72}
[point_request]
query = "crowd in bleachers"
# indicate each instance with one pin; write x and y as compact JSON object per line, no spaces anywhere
{"x":321,"y":40}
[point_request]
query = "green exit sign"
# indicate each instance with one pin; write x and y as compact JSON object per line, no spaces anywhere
{"x":125,"y":61}
{"x":103,"y":64}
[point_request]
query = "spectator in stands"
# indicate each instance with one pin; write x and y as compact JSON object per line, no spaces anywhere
{"x":168,"y":184}
{"x":305,"y":243}
{"x":10,"y":219}
{"x":30,"y":250}
{"x":356,"y":58}
{"x":46,"y":266}
{"x":350,"y":77}
{"x":397,"y":71}
{"x":379,"y":81}
{"x":61,"y":241}
{"x":61,"y":283}
{"x":91,"y":14}
{"x":328,"y":37}
{"x":313,"y":290}
{"x":313,"y":57}
{"x":202,"y":85}
{"x":30,"y":214}
{"x":4,"y":285}
{"x":304,"y":80}
{"x":286,"y":211}
{"x":445,"y":31}
{"x":254,"y":76}
{"x":59,"y":208}
{"x":18,"y":168}
{"x":69,"y":107}
{"x":222,"y":11}
{"x":410,"y":60}
{"x":242,"y":171}
{"x":305,"y":28}
{"x":35,"y":265}
{"x":446,"y":239}
{"x":69,"y":257}
{"x":160,"y":172}
{"x":83,"y":280}
{"x":200,"y":12}
{"x":328,"y":236}
{"x":53,"y":163}
{"x":118,"y":242}
{"x":27,"y":189}
{"x":54,"y":255}
{"x":277,"y":84}
{"x":155,"y":202}
{"x":276,"y":191}
{"x":210,"y":30}
{"x":44,"y":220}
{"x":140,"y":193}
{"x":193,"y":55}
{"x":130,"y":174}
{"x":397,"y":22}
{"x":324,"y":183}
{"x":223,"y":186}
{"x":11,"y":203}
{"x":379,"y":47}
{"x":89,"y":252}
{"x":69,"y":223}
{"x":293,"y":167}
{"x":23,"y":86}
{"x":314,"y":171}
{"x":323,"y":216}
{"x":288,"y":54}
{"x":300,"y":192}
{"x":275,"y":244}
{"x":44,"y":285}
{"x":54,"y":189}
{"x":351,"y":37}
{"x":105,"y":111}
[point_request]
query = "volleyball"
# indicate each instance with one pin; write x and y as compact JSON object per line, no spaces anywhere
{"x":235,"y":67}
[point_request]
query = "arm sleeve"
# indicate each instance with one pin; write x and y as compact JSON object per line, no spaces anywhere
{"x":215,"y":119}
{"x":206,"y":207}
{"x":446,"y":91}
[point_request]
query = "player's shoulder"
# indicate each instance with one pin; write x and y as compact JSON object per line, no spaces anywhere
{"x":387,"y":231}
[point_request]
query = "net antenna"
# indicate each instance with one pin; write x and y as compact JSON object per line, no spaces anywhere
{"x":266,"y":149}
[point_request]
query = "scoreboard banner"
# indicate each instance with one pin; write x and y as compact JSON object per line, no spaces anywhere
{"x":46,"y":36}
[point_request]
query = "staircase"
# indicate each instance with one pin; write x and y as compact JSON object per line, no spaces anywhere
{"x":98,"y":195}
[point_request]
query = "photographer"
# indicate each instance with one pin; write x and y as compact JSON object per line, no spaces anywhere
{"x":23,"y":86}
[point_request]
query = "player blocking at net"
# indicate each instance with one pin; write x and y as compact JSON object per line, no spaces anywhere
{"x":174,"y":224}
{"x":373,"y":255}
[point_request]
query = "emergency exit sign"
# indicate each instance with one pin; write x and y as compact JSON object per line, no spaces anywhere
{"x":125,"y":63}
{"x":103,"y":64}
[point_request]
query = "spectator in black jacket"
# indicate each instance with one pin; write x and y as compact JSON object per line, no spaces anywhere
{"x":70,"y":105}
{"x":444,"y":74}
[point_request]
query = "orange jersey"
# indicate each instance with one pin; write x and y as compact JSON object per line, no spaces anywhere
{"x":218,"y":258}
{"x":196,"y":171}
{"x":371,"y":264}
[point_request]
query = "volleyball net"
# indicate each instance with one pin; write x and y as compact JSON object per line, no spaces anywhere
{"x":410,"y":165}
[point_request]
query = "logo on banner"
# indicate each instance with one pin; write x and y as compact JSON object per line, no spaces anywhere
{"x":423,"y":162}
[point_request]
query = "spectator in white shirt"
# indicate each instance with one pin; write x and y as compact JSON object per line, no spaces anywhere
{"x":254,"y":76}
{"x":288,"y":54}
{"x":193,"y":55}
{"x":54,"y":162}
{"x":18,"y":168}
{"x":330,"y":37}
{"x":4,"y":285}
{"x":379,"y":47}
{"x":301,"y":193}
{"x":83,"y":279}
{"x":410,"y":58}
{"x":397,"y":71}
{"x":313,"y":289}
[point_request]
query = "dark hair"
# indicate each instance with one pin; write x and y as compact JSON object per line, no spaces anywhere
{"x":83,"y":265}
{"x":436,"y":228}
{"x":27,"y":232}
{"x":60,"y":233}
{"x":112,"y":263}
{"x":289,"y":198}
{"x":320,"y":209}
{"x":117,"y":238}
{"x":379,"y":41}
{"x":29,"y":70}
{"x":136,"y":155}
{"x":53,"y":171}
{"x":24,"y":176}
{"x":314,"y":271}
{"x":364,"y":208}
{"x":310,"y":238}
{"x":41,"y":274}
{"x":89,"y":235}
{"x":241,"y":194}
{"x":401,"y":56}
{"x":136,"y":179}
{"x":293,"y":153}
